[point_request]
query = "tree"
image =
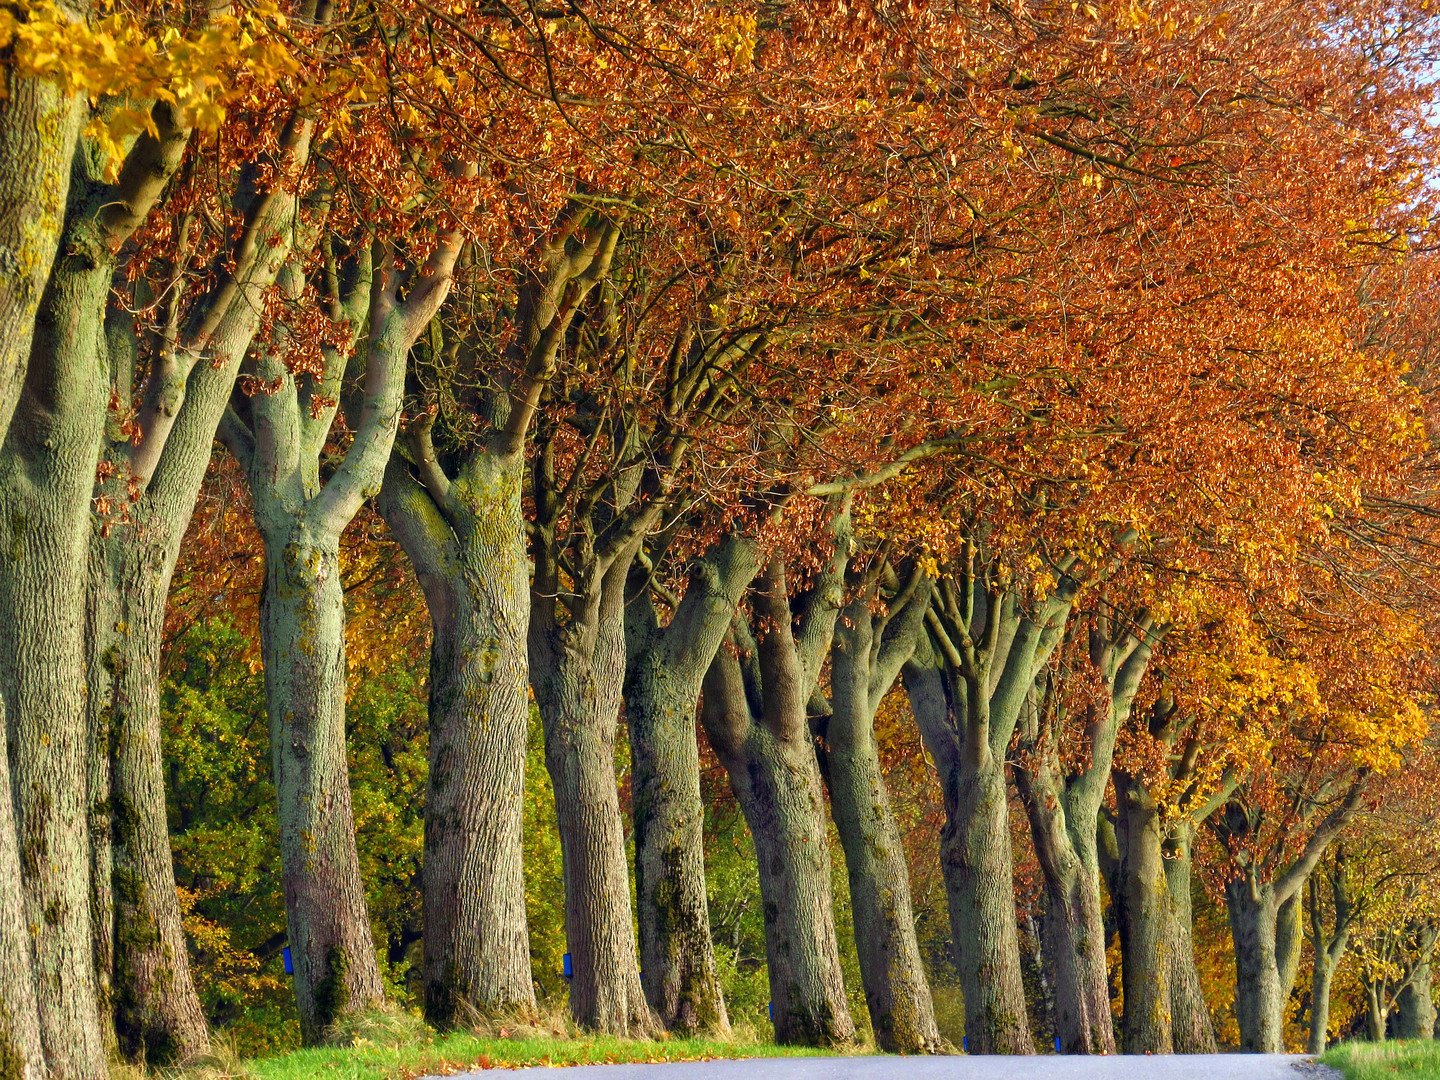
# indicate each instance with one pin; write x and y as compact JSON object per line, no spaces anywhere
{"x":866,"y":656}
{"x":988,"y":642}
{"x":466,"y":537}
{"x":1063,"y":801}
{"x":302,"y":609}
{"x":754,"y":710}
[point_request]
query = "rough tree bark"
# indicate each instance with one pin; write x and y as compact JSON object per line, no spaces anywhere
{"x":754,"y":712}
{"x":1259,"y":1000}
{"x":1415,"y":1007}
{"x":469,"y":555}
{"x":466,"y":539}
{"x":21,"y":1053}
{"x":968,"y":684}
{"x":664,"y":671}
{"x":1063,"y":807}
{"x":577,"y":673}
{"x":46,"y":475}
{"x":38,"y":129}
{"x":1191,"y":1029}
{"x":1144,"y":914}
{"x":1149,"y":876}
{"x":302,"y":614}
{"x":1289,"y":937}
{"x":865,"y":659}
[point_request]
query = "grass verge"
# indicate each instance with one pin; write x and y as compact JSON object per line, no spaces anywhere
{"x":1418,"y":1060}
{"x":393,"y":1045}
{"x":465,"y":1052}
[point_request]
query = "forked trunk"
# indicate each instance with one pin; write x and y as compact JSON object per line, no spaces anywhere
{"x":1063,"y":804}
{"x":777,"y":783}
{"x":755,"y":699}
{"x":1377,"y":1012}
{"x":302,"y":624}
{"x":896,"y":992}
{"x":975,"y":861}
{"x":470,"y":559}
{"x":577,"y":672}
{"x":664,"y":670}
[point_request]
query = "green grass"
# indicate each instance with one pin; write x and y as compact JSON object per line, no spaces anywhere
{"x":392,"y":1044}
{"x":1386,"y":1061}
{"x":464,"y":1052}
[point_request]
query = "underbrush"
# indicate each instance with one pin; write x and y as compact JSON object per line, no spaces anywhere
{"x":1419,"y":1060}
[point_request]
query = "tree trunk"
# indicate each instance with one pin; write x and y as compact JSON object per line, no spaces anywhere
{"x":1259,"y":995}
{"x":1320,"y":983}
{"x":578,"y":672}
{"x":1064,"y":808}
{"x":302,"y":630}
{"x":140,"y":948}
{"x":21,"y":1055}
{"x":1289,"y":939}
{"x":896,"y":992}
{"x":47,"y":472}
{"x":1074,"y":927}
{"x":975,"y":858}
{"x":470,"y":559}
{"x":975,"y":861}
{"x":1415,"y":1007}
{"x":973,"y":676}
{"x":38,"y":128}
{"x":776,"y":780}
{"x":1143,"y":910}
{"x":1376,"y":1012}
{"x":1191,"y":1029}
{"x":754,"y":712}
{"x":140,"y":939}
{"x":302,"y":607}
{"x":663,"y":676}
{"x":676,"y":951}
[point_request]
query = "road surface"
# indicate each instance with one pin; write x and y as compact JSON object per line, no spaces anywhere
{"x":1178,"y":1067}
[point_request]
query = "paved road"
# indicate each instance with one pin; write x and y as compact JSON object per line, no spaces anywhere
{"x":1193,"y":1067}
